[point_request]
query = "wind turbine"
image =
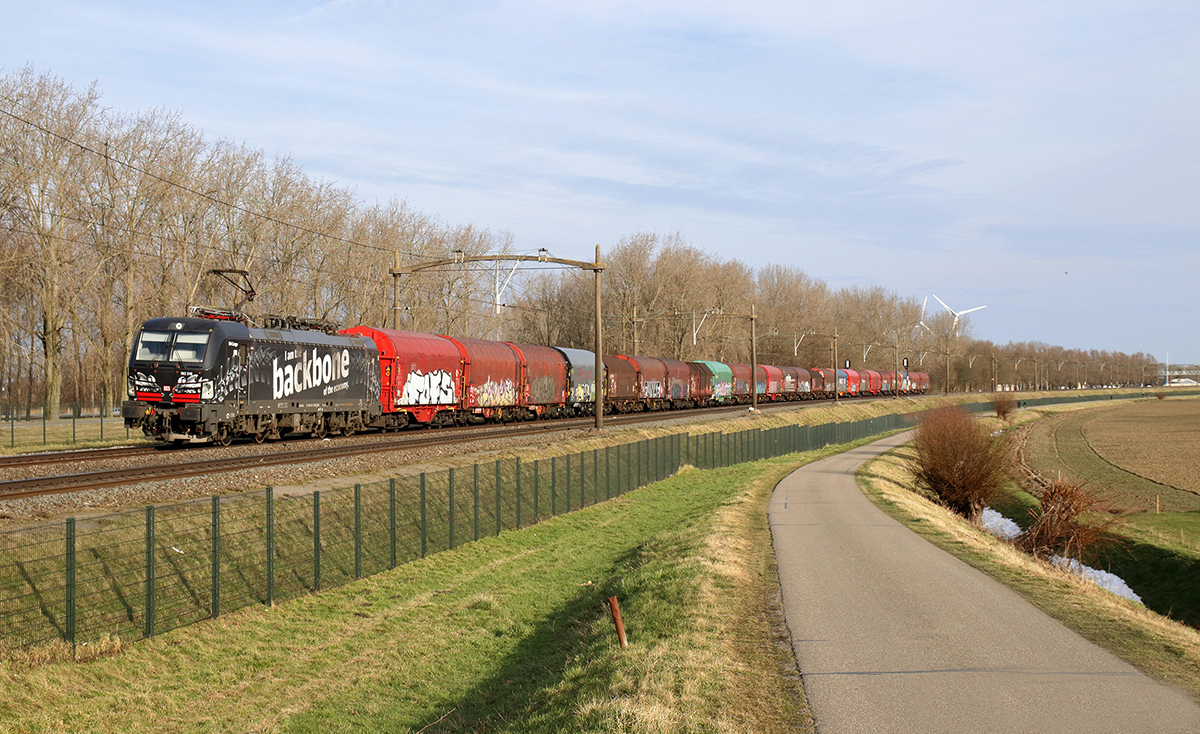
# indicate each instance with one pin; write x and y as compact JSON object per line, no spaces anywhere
{"x":921,"y":321}
{"x":953,"y":333}
{"x":957,"y":314}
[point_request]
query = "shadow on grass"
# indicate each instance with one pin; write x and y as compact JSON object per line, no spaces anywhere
{"x":531,"y":692}
{"x":568,"y":660}
{"x":1165,"y":580}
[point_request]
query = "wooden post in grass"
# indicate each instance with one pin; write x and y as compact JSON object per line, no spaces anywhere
{"x":616,"y":613}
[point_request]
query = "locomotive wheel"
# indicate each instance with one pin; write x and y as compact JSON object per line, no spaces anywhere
{"x":259,"y":437}
{"x":320,"y":429}
{"x":348,"y":430}
{"x":224,"y":436}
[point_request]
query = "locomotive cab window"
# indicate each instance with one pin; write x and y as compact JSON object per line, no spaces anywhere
{"x":166,"y":346}
{"x":189,"y":347}
{"x":153,"y":346}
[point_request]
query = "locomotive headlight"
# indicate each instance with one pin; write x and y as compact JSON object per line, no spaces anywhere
{"x":206,"y":390}
{"x":129,"y":382}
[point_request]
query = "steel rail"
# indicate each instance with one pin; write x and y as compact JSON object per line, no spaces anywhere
{"x":37,"y":486}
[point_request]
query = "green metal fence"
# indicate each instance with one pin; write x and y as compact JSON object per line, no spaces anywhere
{"x":140,"y":573}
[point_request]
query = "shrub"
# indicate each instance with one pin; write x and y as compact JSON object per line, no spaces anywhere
{"x":1160,"y":395}
{"x":1004,"y":405}
{"x":960,"y":462}
{"x":1057,"y":528}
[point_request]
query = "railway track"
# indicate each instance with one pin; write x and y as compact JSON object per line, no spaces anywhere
{"x":67,"y":457}
{"x":73,"y":482}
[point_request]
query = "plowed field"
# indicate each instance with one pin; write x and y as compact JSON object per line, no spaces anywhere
{"x":1141,"y":452}
{"x":1158,"y":440}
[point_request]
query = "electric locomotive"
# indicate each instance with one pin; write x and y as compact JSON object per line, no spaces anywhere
{"x":215,"y":376}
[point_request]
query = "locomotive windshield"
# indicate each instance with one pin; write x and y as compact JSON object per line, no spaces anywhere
{"x":171,"y":346}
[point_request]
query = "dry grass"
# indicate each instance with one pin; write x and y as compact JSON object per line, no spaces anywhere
{"x":62,"y":652}
{"x":1158,"y":646}
{"x":959,"y":461}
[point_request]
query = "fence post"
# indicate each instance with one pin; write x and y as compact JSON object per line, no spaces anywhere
{"x":392,"y":518}
{"x":270,"y":546}
{"x":595,"y":476}
{"x":582,"y":481}
{"x":568,"y":492}
{"x":73,"y":411}
{"x":71,"y":584}
{"x":476,"y":502}
{"x":424,"y":520}
{"x":450,"y":491}
{"x":537,"y":480}
{"x":102,"y":423}
{"x":607,"y":473}
{"x":149,"y":618}
{"x":215,"y":597}
{"x":358,"y":531}
{"x":317,"y":540}
{"x":518,"y":476}
{"x":43,"y":424}
{"x":498,"y":497}
{"x":553,"y":486}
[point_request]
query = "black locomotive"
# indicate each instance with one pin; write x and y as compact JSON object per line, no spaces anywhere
{"x":211,"y":379}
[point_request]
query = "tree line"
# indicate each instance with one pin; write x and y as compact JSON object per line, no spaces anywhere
{"x":108,"y":218}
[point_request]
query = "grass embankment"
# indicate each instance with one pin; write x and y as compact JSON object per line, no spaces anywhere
{"x":1141,"y":457}
{"x":505,"y":634}
{"x":32,"y":436}
{"x":1160,"y":647}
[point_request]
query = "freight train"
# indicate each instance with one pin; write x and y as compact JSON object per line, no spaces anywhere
{"x":215,"y":376}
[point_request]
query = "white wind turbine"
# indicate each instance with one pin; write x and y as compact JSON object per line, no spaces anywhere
{"x":953,"y":332}
{"x":957,"y":314}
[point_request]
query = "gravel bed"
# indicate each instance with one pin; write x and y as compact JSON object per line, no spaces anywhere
{"x":288,"y":479}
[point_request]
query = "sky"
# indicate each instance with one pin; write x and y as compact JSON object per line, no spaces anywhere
{"x":1042,"y":159}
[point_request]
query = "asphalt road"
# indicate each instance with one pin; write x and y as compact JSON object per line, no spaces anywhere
{"x":894,"y":635}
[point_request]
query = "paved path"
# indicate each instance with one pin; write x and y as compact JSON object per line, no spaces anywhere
{"x":894,"y":635}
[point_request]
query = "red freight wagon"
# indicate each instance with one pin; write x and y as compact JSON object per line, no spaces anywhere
{"x":700,"y":382}
{"x":545,"y":382}
{"x":886,"y":380}
{"x":678,"y":377}
{"x":491,"y":377}
{"x":621,"y":385}
{"x":823,"y":383}
{"x":790,"y":387}
{"x":875,"y":379}
{"x":741,"y":381}
{"x":853,"y":382}
{"x":422,"y":375}
{"x":769,"y":381}
{"x":804,"y":387}
{"x":654,"y":377}
{"x":920,"y":381}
